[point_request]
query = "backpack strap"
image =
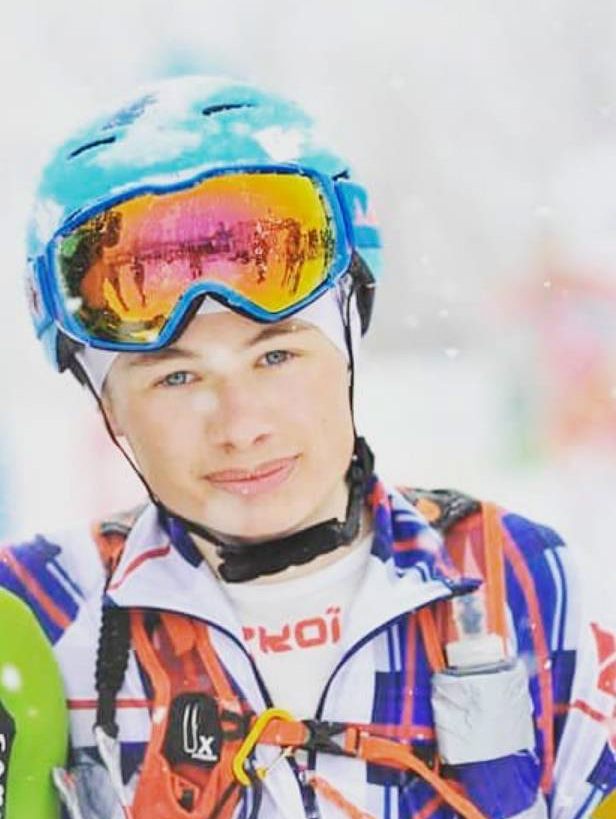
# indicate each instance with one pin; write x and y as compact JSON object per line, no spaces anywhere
{"x":432,"y":639}
{"x":163,"y":790}
{"x":493,"y":545}
{"x":200,"y":724}
{"x":442,"y":508}
{"x":110,"y":537}
{"x":448,"y":511}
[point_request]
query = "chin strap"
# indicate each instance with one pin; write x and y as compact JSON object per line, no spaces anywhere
{"x":246,"y":561}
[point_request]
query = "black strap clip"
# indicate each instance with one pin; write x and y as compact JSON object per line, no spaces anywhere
{"x":321,"y":737}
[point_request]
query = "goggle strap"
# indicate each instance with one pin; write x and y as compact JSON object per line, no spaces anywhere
{"x":364,"y":289}
{"x":66,"y":349}
{"x":348,"y":337}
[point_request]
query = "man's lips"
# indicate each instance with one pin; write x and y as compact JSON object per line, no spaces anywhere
{"x":249,"y":482}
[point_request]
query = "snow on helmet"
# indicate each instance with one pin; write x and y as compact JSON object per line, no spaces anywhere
{"x":173,"y":132}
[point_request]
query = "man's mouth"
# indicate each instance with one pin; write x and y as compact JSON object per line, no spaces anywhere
{"x":263,"y":478}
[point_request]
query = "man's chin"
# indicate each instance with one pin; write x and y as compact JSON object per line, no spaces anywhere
{"x":252,"y":536}
{"x":250,"y":524}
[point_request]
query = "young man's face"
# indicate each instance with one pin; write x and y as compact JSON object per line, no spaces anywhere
{"x":243,"y":427}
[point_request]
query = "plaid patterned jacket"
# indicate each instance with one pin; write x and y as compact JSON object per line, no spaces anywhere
{"x":383,"y":678}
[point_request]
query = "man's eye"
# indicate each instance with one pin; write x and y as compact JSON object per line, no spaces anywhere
{"x":275,"y":357}
{"x":176,"y":379}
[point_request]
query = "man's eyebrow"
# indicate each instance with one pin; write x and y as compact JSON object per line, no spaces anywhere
{"x":156,"y":356}
{"x":175,"y":352}
{"x":279,"y":329}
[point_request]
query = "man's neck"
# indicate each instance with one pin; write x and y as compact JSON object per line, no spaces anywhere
{"x":213,"y":559}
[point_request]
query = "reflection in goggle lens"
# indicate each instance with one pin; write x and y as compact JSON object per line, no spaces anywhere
{"x":266,"y":238}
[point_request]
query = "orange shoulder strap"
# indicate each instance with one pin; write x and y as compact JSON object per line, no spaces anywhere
{"x":493,"y":548}
{"x":110,"y":536}
{"x":492,"y":543}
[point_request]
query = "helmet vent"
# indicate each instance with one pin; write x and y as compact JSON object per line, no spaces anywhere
{"x":226,"y":106}
{"x":88,"y":145}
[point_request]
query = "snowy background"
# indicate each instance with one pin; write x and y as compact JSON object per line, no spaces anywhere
{"x":487,"y":134}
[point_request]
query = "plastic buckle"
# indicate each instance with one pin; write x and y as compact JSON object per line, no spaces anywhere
{"x":320,"y":737}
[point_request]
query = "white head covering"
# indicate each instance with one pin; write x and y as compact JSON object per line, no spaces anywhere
{"x":324,"y":313}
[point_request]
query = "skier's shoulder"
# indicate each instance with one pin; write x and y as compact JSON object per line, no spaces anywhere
{"x":523,"y":565}
{"x":59,"y":572}
{"x":464,"y":518}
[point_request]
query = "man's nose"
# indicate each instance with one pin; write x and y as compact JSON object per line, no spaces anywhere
{"x":238,"y":419}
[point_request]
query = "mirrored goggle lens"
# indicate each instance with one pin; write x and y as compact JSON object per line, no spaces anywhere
{"x":266,"y":240}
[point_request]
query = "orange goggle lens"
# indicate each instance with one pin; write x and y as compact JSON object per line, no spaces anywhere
{"x":263,"y":240}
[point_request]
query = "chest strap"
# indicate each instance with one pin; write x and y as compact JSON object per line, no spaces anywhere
{"x":343,"y":739}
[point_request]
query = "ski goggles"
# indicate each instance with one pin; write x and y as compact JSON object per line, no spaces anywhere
{"x":263,"y":241}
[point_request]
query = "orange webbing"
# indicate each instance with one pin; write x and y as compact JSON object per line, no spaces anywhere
{"x":391,"y":754}
{"x":429,"y":509}
{"x":226,"y":699}
{"x":159,"y":788}
{"x":210,"y":660}
{"x":431,"y":639}
{"x":322,"y":785}
{"x":110,"y":547}
{"x":110,"y":536}
{"x":283,"y":733}
{"x":493,"y":548}
{"x":294,"y":734}
{"x":429,"y":808}
{"x":409,"y":669}
{"x":147,"y":655}
{"x":155,"y":786}
{"x":180,"y":632}
{"x":375,"y":750}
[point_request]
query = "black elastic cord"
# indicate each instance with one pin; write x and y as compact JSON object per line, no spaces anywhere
{"x":348,"y":337}
{"x":227,"y":793}
{"x":257,"y":795}
{"x":257,"y":792}
{"x":111,"y":664}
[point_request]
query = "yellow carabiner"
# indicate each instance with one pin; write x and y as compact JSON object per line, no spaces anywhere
{"x":251,"y":740}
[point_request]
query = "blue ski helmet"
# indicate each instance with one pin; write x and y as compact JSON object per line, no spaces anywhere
{"x":174,"y":132}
